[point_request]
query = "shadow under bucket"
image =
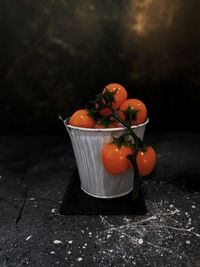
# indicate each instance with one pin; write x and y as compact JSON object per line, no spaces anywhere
{"x":87,"y":145}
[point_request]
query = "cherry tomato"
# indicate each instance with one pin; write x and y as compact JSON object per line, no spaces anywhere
{"x":135,"y":104}
{"x":81,"y":119}
{"x":100,"y":125}
{"x":115,"y":159}
{"x":116,"y":122}
{"x":120,"y":96}
{"x":110,"y":122}
{"x":146,"y":161}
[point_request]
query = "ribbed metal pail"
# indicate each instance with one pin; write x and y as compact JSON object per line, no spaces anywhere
{"x":95,"y":180}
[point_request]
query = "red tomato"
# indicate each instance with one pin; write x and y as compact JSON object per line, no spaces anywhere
{"x":115,"y":159}
{"x":136,"y":105}
{"x":81,"y":119}
{"x":146,"y":161}
{"x":120,"y":96}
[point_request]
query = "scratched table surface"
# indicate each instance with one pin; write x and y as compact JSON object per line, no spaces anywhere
{"x":34,"y":173}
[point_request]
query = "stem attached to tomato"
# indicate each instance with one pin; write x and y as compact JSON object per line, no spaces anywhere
{"x":132,"y":158}
{"x":105,"y":101}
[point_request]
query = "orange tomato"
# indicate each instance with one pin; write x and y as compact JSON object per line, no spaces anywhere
{"x":135,"y":105}
{"x":146,"y":161}
{"x":116,"y":122}
{"x":105,"y":112}
{"x":110,"y":122}
{"x":80,"y":118}
{"x":121,"y":115}
{"x":100,"y":125}
{"x":119,"y":97}
{"x":115,"y":159}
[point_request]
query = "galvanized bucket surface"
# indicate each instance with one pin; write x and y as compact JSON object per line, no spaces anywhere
{"x":87,"y":145}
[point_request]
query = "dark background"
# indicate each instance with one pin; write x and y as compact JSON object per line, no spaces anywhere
{"x":55,"y":55}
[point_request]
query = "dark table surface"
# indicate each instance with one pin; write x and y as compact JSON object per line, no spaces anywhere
{"x":34,"y":174}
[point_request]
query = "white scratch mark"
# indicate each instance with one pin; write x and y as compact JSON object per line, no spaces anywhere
{"x":131,"y":232}
{"x":28,"y":237}
{"x":126,"y":225}
{"x":53,"y":210}
{"x":57,"y":242}
{"x":177,"y":229}
{"x":140,"y":241}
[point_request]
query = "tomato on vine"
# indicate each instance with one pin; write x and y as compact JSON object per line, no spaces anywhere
{"x":146,"y":160}
{"x":80,"y":118}
{"x":101,"y":125}
{"x":115,"y":159}
{"x":135,"y":110}
{"x":119,"y":94}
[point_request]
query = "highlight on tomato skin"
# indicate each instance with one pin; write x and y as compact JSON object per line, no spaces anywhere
{"x":80,"y":118}
{"x":135,"y":105}
{"x":115,"y":159}
{"x":146,"y":161}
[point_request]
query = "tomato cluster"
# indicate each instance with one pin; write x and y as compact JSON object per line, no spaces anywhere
{"x":115,"y":159}
{"x":131,"y":110}
{"x":112,"y":109}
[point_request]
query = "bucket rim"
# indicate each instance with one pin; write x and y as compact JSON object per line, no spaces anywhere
{"x":103,"y":129}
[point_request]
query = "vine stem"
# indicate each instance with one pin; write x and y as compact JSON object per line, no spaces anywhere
{"x":132,"y":158}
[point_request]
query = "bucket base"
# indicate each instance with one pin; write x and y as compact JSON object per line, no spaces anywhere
{"x":77,"y":202}
{"x":107,"y":197}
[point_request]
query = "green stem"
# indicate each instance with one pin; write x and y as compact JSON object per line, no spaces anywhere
{"x":132,"y":158}
{"x":135,"y":137}
{"x":136,"y":180}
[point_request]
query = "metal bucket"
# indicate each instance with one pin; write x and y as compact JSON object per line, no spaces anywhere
{"x":87,"y":145}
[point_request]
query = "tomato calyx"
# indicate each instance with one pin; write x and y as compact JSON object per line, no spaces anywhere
{"x":92,"y":111}
{"x":109,"y":97}
{"x":104,"y":122}
{"x":131,"y":114}
{"x":102,"y":101}
{"x":122,"y":141}
{"x":105,"y":99}
{"x":143,"y":148}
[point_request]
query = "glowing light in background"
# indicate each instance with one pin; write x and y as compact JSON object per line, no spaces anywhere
{"x":149,"y":15}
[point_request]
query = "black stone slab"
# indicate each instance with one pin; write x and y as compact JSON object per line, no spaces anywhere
{"x":77,"y":202}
